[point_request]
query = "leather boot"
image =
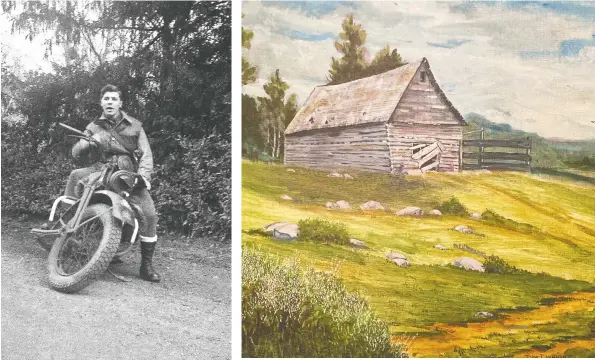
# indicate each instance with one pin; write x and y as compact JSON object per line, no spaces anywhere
{"x":146,"y":266}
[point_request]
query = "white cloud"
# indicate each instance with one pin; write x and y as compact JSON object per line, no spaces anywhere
{"x":550,"y":96}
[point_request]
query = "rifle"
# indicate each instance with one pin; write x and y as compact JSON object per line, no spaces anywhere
{"x":80,"y":134}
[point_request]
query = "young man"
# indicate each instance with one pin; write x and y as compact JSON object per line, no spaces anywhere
{"x":117,"y":133}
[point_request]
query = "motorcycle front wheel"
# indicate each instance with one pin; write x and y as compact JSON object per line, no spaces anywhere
{"x":78,"y":258}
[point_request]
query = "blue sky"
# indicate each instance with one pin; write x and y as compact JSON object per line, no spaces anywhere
{"x":528,"y":64}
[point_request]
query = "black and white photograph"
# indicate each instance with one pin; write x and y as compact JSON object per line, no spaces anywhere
{"x":116,"y":180}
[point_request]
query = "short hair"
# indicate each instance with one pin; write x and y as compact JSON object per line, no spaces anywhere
{"x":110,"y":88}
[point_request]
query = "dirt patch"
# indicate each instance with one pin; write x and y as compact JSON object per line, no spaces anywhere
{"x":186,"y":315}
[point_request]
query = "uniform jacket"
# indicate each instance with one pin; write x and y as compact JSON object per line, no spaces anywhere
{"x":130,"y":130}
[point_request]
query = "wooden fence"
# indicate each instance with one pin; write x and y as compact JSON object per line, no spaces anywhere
{"x":509,"y":154}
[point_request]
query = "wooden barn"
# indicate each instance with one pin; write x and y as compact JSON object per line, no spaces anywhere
{"x":394,"y":122}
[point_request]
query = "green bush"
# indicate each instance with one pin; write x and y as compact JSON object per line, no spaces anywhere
{"x":453,"y":207}
{"x":496,"y":219}
{"x":324,"y":231}
{"x":289,"y":312}
{"x":496,"y":265}
{"x":579,"y":352}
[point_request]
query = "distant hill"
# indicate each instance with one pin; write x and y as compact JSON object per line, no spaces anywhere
{"x":546,"y":153}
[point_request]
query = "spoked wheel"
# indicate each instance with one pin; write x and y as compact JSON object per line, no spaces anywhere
{"x":64,"y":215}
{"x":78,"y":258}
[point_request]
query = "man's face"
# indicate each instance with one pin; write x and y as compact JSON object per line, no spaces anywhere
{"x":111,"y":103}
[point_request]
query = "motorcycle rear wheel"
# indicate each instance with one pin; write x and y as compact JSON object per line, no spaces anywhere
{"x":78,"y":258}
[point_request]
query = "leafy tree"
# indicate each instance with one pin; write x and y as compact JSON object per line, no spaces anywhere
{"x":384,"y":61}
{"x":273,"y":112}
{"x":248,"y":70}
{"x":351,"y":66}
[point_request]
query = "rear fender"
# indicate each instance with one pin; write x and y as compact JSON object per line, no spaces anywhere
{"x":121,"y":210}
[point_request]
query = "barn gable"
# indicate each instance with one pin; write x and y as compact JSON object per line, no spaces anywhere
{"x":394,"y":122}
{"x":367,"y":101}
{"x":423,"y":102}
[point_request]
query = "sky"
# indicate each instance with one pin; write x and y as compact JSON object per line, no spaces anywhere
{"x":527,"y":64}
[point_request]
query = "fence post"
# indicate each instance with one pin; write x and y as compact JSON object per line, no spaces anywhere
{"x":529,"y":153}
{"x":480,"y":158}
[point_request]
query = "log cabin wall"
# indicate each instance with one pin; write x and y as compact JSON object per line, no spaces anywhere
{"x":362,"y":147}
{"x":402,"y":137}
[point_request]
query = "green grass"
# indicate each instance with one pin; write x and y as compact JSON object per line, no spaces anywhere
{"x":538,"y":223}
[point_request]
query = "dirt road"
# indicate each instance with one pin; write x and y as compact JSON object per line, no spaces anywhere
{"x":185,"y":316}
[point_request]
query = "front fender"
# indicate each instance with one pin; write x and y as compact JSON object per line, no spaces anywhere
{"x":121,"y":210}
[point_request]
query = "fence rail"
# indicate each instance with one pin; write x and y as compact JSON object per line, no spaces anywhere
{"x":496,"y":160}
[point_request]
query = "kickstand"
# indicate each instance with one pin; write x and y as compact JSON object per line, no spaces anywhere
{"x":119,"y":277}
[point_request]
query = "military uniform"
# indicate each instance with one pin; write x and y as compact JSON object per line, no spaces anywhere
{"x":129,"y":131}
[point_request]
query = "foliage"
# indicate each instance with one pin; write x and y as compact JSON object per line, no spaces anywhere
{"x":496,"y":265}
{"x":288,"y":312}
{"x":248,"y":70}
{"x":579,"y":352}
{"x":324,"y":231}
{"x":172,"y":61}
{"x":496,"y":219}
{"x":354,"y":65}
{"x":453,"y":207}
{"x":194,"y":195}
{"x":264,"y":120}
{"x":384,"y":61}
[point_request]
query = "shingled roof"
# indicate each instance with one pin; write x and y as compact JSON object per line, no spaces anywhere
{"x":363,"y":101}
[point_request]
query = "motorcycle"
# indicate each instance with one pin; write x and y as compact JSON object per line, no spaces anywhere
{"x":87,"y":232}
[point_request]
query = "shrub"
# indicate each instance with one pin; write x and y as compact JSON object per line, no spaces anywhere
{"x":496,"y":265}
{"x":320,"y":230}
{"x":496,"y":219}
{"x":453,"y":207}
{"x":193,"y":194}
{"x":288,"y":312}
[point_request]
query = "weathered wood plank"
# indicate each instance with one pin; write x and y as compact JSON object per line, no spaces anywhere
{"x":514,"y":143}
{"x":497,"y":156}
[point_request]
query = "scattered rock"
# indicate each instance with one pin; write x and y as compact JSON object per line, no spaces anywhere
{"x":414,"y":172}
{"x":410,"y":211}
{"x":475,"y":216}
{"x":441,"y":247}
{"x":468,"y":263}
{"x":335,"y":174}
{"x":290,"y":170}
{"x":400,"y":262}
{"x":331,"y":205}
{"x":283,"y":230}
{"x":347,"y":176}
{"x":484,"y":314}
{"x":435,"y":212}
{"x":342,"y":204}
{"x":372,"y":205}
{"x":395,"y":255}
{"x":286,"y":197}
{"x":357,"y":243}
{"x":464,"y":229}
{"x":339,"y":205}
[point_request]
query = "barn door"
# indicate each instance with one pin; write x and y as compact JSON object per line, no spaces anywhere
{"x":427,"y":156}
